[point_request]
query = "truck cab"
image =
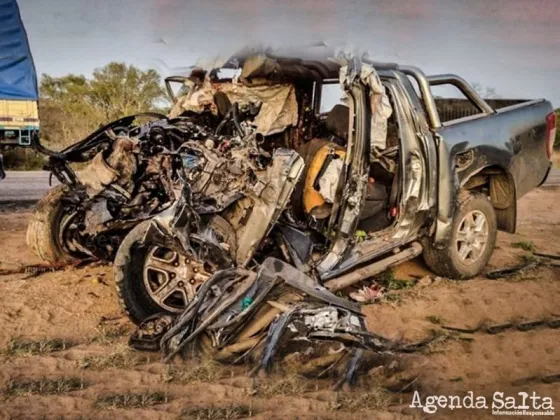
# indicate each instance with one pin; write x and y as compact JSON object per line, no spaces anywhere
{"x":19,"y":122}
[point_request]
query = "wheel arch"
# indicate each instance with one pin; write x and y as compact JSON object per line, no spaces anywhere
{"x":498,"y":184}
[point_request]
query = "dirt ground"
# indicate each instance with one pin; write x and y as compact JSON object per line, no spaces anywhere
{"x":64,"y":355}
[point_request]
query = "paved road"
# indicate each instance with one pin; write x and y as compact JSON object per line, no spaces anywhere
{"x":31,"y":185}
{"x":24,"y":186}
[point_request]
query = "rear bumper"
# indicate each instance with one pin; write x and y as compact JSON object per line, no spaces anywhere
{"x":546,"y":175}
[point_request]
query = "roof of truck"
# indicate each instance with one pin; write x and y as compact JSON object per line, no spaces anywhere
{"x":314,"y":62}
{"x":305,"y":62}
{"x":18,"y":79}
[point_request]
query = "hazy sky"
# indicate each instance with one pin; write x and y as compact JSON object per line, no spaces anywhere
{"x":510,"y":45}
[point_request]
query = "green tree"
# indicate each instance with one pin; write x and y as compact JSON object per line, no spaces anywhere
{"x":72,"y":106}
{"x":65,"y":110}
{"x":118,"y":89}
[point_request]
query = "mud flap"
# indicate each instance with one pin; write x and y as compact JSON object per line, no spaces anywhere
{"x":447,"y":194}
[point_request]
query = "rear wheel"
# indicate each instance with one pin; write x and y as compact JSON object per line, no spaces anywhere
{"x":473,"y":238}
{"x":49,"y":227}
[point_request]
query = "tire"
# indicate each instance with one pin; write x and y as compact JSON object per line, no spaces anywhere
{"x":128,"y":269}
{"x":43,"y":230}
{"x":456,"y":261}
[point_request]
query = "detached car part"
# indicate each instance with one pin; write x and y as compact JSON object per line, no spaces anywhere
{"x":247,"y":316}
{"x":128,"y":179}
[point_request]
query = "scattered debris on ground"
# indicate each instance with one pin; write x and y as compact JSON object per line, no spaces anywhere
{"x":276,"y":310}
{"x":529,"y":262}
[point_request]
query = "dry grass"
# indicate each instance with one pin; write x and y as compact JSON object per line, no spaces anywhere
{"x":43,"y":386}
{"x":22,"y":347}
{"x":528,"y":246}
{"x":108,"y":334}
{"x":206,"y":371}
{"x":234,"y":412}
{"x":286,"y":386}
{"x":374,"y":399}
{"x":392,"y":298}
{"x":122,"y":358}
{"x":131,"y":400}
{"x":388,"y":280}
{"x":440,"y":338}
{"x":23,"y":159}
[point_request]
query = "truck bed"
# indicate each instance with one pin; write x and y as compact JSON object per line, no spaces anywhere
{"x":513,"y":138}
{"x":455,"y":108}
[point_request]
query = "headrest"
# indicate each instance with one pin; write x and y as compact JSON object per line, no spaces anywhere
{"x":338,"y":120}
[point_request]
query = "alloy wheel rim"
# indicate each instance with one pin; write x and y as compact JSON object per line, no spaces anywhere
{"x":172,"y":279}
{"x":472,"y":237}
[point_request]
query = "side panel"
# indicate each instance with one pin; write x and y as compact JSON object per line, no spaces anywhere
{"x":513,"y":139}
{"x":426,"y":141}
{"x":271,"y":194}
{"x":415,"y":177}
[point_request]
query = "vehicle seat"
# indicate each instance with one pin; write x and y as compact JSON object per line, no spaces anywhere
{"x":374,"y":215}
{"x":338,"y":120}
{"x":305,"y":198}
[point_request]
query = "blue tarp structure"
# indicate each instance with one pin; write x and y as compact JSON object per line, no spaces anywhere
{"x":18,"y":79}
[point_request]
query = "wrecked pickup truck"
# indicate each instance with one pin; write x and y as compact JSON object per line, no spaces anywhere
{"x":384,"y":176}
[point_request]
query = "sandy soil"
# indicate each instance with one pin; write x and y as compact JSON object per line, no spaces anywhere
{"x":78,"y":366}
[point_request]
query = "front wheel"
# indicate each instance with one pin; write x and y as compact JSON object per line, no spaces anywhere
{"x":473,"y":238}
{"x":151,"y":278}
{"x":47,"y":231}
